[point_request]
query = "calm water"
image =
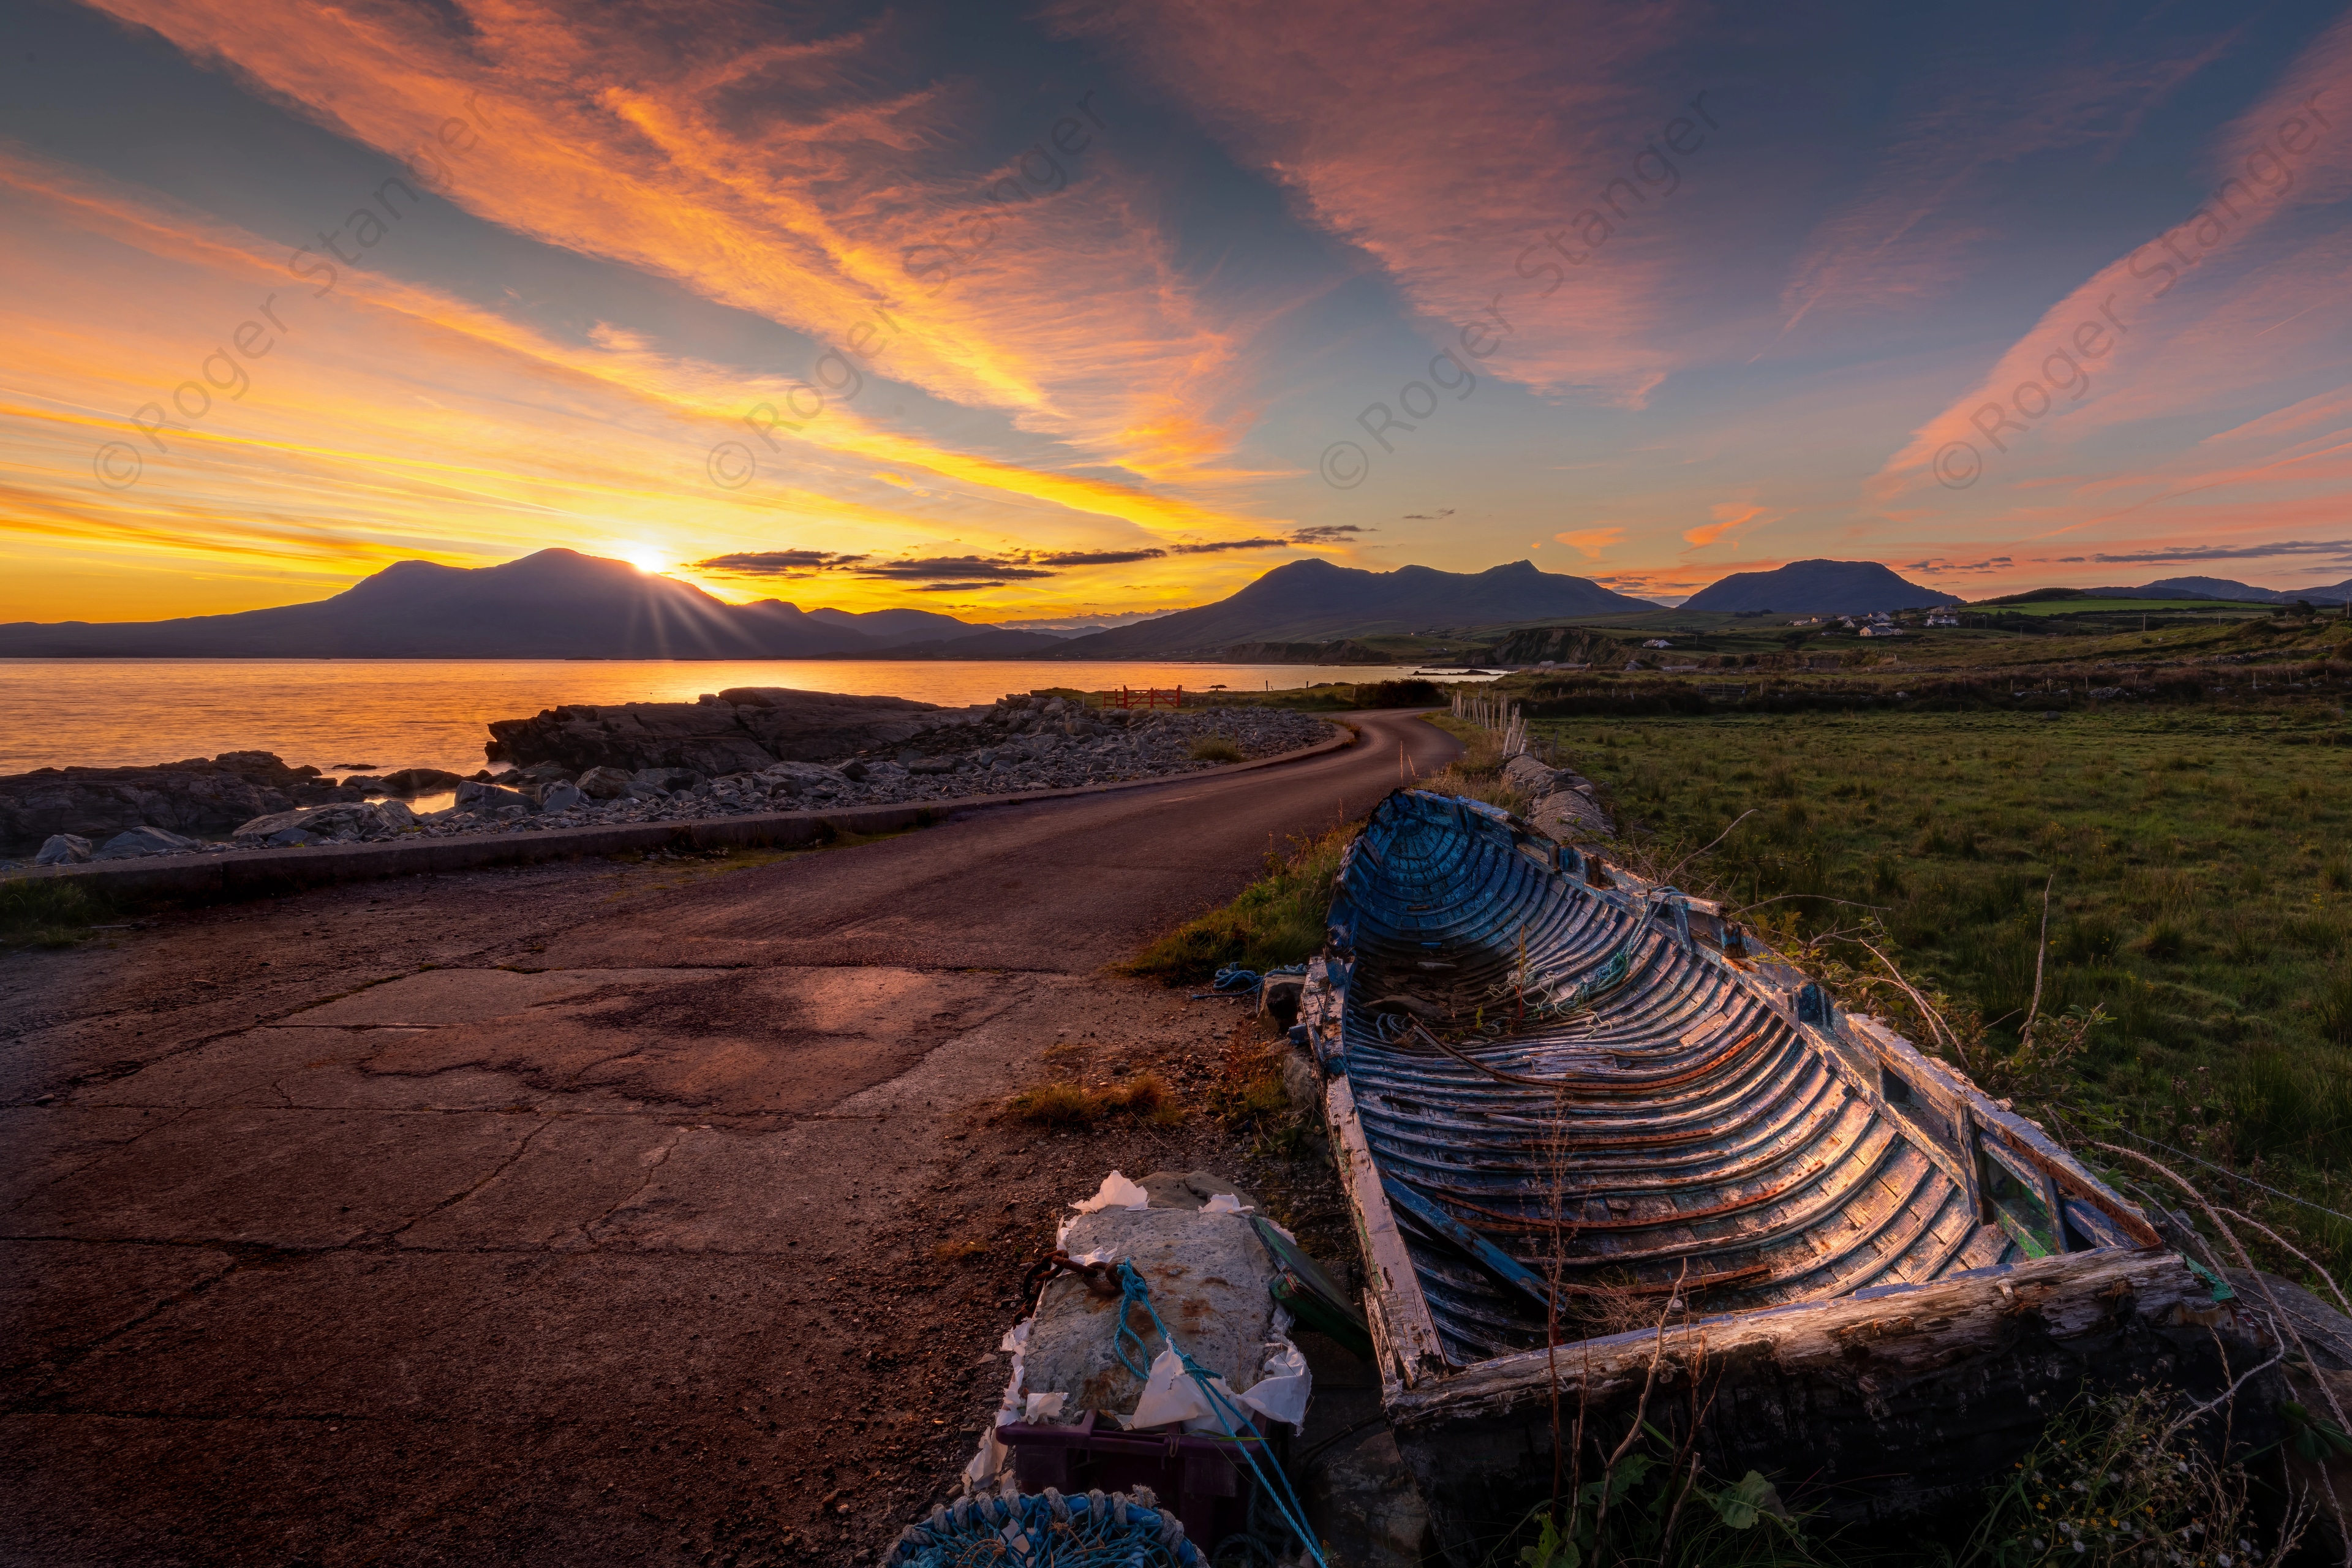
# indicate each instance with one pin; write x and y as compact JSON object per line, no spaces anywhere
{"x":339,"y":714}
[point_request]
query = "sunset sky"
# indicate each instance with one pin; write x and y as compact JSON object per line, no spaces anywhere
{"x":1041,"y":313}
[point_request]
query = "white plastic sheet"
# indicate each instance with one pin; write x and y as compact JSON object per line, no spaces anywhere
{"x":1280,"y":1393}
{"x":1225,"y":1203}
{"x":1115,"y":1192}
{"x":993,"y":1465}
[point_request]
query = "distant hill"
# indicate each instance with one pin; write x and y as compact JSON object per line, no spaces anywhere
{"x":891,"y":627}
{"x":1816,"y":588}
{"x":2225,"y":589}
{"x":556,"y":604}
{"x":1315,"y":601}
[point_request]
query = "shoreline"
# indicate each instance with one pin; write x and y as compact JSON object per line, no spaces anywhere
{"x":241,"y":872}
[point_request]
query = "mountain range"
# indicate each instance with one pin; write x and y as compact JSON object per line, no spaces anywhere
{"x":2223,"y":588}
{"x":556,"y":604}
{"x":1315,"y":601}
{"x":560,"y":604}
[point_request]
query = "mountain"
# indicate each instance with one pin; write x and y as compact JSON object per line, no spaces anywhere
{"x":2225,"y":589}
{"x":886,"y":628}
{"x":556,"y":604}
{"x":1315,"y":601}
{"x":1816,"y":587}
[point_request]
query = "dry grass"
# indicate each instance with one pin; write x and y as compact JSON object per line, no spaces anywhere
{"x":961,"y":1251}
{"x":1215,"y":749}
{"x":1061,"y":1104}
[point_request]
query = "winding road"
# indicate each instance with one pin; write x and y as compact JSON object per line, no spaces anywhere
{"x":575,"y":1213}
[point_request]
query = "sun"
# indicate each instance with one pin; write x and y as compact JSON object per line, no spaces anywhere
{"x":646,"y":558}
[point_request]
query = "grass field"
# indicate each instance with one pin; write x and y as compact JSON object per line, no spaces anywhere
{"x":2199,"y":864}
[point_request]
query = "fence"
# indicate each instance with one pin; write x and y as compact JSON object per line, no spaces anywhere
{"x":1493,"y":714}
{"x":1123,"y":698}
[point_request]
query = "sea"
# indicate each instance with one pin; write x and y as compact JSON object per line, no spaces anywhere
{"x":344,"y":716}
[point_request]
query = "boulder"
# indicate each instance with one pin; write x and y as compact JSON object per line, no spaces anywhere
{"x":183,"y":796}
{"x":604,"y":784}
{"x":800,"y":778}
{"x":669,"y":781}
{"x":395,"y":814}
{"x":932,"y":765}
{"x":1209,"y":1276}
{"x":333,"y":824}
{"x":63,"y":849}
{"x":742,"y":729}
{"x":490,"y":797}
{"x":561,"y":795}
{"x":141,"y":841}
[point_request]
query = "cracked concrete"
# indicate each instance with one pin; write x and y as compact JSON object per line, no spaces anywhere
{"x":577,"y":1213}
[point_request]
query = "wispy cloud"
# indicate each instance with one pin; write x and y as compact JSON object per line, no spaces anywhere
{"x":775,"y":562}
{"x":1590,"y":543}
{"x":2330,"y":548}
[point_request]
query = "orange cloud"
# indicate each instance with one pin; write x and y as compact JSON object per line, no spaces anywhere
{"x":1730,"y":517}
{"x":1590,"y":542}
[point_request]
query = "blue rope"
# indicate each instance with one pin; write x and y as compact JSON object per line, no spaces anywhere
{"x":1276,"y":1486}
{"x":1233,"y":980}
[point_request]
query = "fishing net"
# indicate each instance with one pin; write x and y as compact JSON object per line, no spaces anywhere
{"x":1121,"y":1529}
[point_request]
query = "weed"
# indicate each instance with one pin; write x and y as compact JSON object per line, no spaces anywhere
{"x":45,"y":911}
{"x":1145,"y":1098}
{"x":1215,"y":749}
{"x":961,"y":1251}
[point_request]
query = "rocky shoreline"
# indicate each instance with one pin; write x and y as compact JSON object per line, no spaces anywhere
{"x":912,"y":754}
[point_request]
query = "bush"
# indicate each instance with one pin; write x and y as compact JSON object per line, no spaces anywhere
{"x":1215,"y":749}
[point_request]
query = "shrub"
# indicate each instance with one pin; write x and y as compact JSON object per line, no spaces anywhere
{"x":1399,"y":694}
{"x":1215,"y":749}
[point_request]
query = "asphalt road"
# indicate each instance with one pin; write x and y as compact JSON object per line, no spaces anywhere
{"x":570,"y":1214}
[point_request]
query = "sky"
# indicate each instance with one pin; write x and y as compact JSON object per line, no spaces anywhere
{"x":1081,"y":311}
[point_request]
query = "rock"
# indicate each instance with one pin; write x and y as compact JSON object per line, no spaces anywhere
{"x":932,"y":765}
{"x":1567,"y":814}
{"x":141,"y":841}
{"x":489,"y":796}
{"x":97,"y":803}
{"x":1209,"y":1274}
{"x":1189,"y":1189}
{"x":418,"y":781}
{"x":855,"y":771}
{"x":604,"y":784}
{"x":561,"y":795}
{"x":1372,"y":1510}
{"x":395,"y":814}
{"x":803,"y":778}
{"x":669,"y":780}
{"x":63,"y":849}
{"x":330,"y":824}
{"x":745,"y":728}
{"x":549,"y":772}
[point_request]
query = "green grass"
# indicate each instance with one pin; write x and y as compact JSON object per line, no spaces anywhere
{"x":1276,"y":919}
{"x":2201,"y":867}
{"x":42,"y":912}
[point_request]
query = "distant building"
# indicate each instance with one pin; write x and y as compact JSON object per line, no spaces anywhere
{"x":1658,"y":642}
{"x":1875,"y":630}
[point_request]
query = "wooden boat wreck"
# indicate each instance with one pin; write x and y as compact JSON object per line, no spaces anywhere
{"x":1552,"y":1085}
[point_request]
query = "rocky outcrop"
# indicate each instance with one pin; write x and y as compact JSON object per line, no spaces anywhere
{"x":188,"y":796}
{"x":344,"y":822}
{"x":743,"y":729}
